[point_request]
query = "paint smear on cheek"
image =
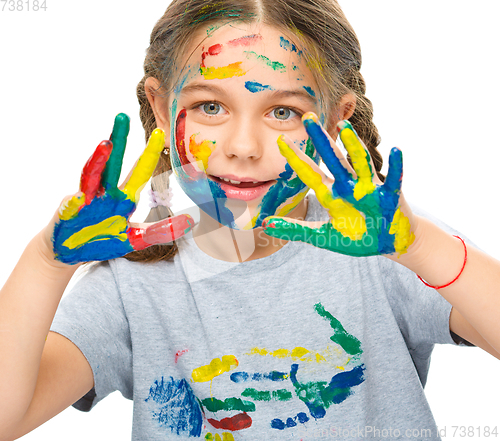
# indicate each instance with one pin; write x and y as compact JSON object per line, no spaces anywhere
{"x":201,"y":151}
{"x":180,"y":133}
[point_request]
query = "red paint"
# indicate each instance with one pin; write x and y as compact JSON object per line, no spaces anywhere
{"x":180,"y":134}
{"x":90,"y":181}
{"x":266,"y":225}
{"x":238,"y":422}
{"x":247,"y":40}
{"x":135,"y":237}
{"x":179,"y":353}
{"x":216,"y":49}
{"x":168,"y":229}
{"x":212,"y":50}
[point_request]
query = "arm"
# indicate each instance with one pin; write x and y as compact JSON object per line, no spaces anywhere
{"x":38,"y":378}
{"x":437,"y":257}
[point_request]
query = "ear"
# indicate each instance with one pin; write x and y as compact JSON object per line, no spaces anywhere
{"x":159,"y":103}
{"x":344,"y":110}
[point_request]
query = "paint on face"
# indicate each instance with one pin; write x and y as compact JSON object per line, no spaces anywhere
{"x":201,"y":151}
{"x":288,"y":190}
{"x":274,"y":65}
{"x":288,"y":46}
{"x":255,"y":87}
{"x":310,"y":91}
{"x":247,"y":40}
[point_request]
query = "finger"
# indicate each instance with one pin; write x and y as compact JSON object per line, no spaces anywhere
{"x":361,"y":160}
{"x":71,"y":205}
{"x":113,"y":169}
{"x":145,"y":166}
{"x":162,"y":232}
{"x":307,"y":171}
{"x":394,"y":177}
{"x":323,"y":144}
{"x":90,"y":181}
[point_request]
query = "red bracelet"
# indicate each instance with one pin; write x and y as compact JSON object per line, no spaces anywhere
{"x":456,"y":278}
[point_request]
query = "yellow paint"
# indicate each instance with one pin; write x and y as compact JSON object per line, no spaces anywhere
{"x":401,"y":227}
{"x":113,"y":227}
{"x":201,"y":151}
{"x":145,"y":165}
{"x":69,"y":209}
{"x":289,"y":206}
{"x":216,"y":367}
{"x":346,"y":219}
{"x":252,"y":222}
{"x":226,"y":436}
{"x":219,"y":73}
{"x":360,"y":162}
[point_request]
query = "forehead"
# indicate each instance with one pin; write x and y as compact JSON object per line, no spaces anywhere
{"x":253,"y":55}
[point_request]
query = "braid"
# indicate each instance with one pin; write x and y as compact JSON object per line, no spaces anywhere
{"x":362,"y":120}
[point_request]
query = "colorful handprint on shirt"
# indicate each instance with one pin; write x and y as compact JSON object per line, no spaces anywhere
{"x":366,"y":218}
{"x":93,"y":224}
{"x":175,"y":406}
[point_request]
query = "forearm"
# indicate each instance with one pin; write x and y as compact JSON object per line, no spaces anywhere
{"x":438,"y":257}
{"x":28,"y":302}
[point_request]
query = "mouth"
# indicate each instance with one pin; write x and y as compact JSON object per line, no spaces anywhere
{"x":245,"y":189}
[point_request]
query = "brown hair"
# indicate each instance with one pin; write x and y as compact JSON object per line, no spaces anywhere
{"x":333,"y":54}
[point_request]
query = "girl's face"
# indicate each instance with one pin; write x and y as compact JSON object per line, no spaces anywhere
{"x":241,"y":88}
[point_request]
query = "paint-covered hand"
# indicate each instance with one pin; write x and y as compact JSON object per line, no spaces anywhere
{"x":94,"y":223}
{"x":367,"y":217}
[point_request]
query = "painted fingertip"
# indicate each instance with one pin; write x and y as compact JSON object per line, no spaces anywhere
{"x":121,"y":126}
{"x":310,"y":117}
{"x":345,"y":124}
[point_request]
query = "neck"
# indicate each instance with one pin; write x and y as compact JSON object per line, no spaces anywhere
{"x":224,"y":243}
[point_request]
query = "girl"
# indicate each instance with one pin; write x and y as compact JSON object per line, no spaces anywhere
{"x":297,"y":420}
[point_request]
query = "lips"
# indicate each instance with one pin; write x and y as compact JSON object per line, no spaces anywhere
{"x":245,"y":189}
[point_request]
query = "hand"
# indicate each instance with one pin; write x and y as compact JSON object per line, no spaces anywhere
{"x":94,"y":223}
{"x":368,"y":217}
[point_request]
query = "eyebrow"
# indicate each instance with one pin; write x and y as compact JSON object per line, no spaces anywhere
{"x":274,"y":94}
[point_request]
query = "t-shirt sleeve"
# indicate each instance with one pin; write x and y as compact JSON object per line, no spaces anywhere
{"x":93,"y":318}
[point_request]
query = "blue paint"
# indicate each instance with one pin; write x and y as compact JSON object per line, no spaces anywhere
{"x":175,"y":407}
{"x":309,"y":91}
{"x":101,"y":208}
{"x":254,"y":87}
{"x":288,"y":46}
{"x":344,"y":183}
{"x":241,"y":377}
{"x":290,"y":422}
{"x":318,"y":396}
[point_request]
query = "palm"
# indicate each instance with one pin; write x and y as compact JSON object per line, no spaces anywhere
{"x":366,"y":218}
{"x":94,"y":224}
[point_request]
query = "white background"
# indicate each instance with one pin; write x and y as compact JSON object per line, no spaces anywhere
{"x":432,"y":69}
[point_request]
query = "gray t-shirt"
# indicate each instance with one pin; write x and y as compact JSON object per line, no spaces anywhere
{"x":302,"y":344}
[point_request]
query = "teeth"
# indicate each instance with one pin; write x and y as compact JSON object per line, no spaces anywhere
{"x":236,"y":182}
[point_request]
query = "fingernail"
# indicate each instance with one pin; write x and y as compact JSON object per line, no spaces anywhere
{"x":309,"y":117}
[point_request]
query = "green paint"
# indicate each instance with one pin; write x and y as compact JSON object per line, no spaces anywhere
{"x":275,"y":65}
{"x":215,"y":405}
{"x":111,"y":174}
{"x":216,"y":10}
{"x":349,"y":343}
{"x":266,"y":395}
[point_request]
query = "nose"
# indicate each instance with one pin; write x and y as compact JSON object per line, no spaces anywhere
{"x":244,"y":141}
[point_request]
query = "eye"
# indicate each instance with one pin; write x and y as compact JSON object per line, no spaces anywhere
{"x":283,"y":114}
{"x":212,"y":108}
